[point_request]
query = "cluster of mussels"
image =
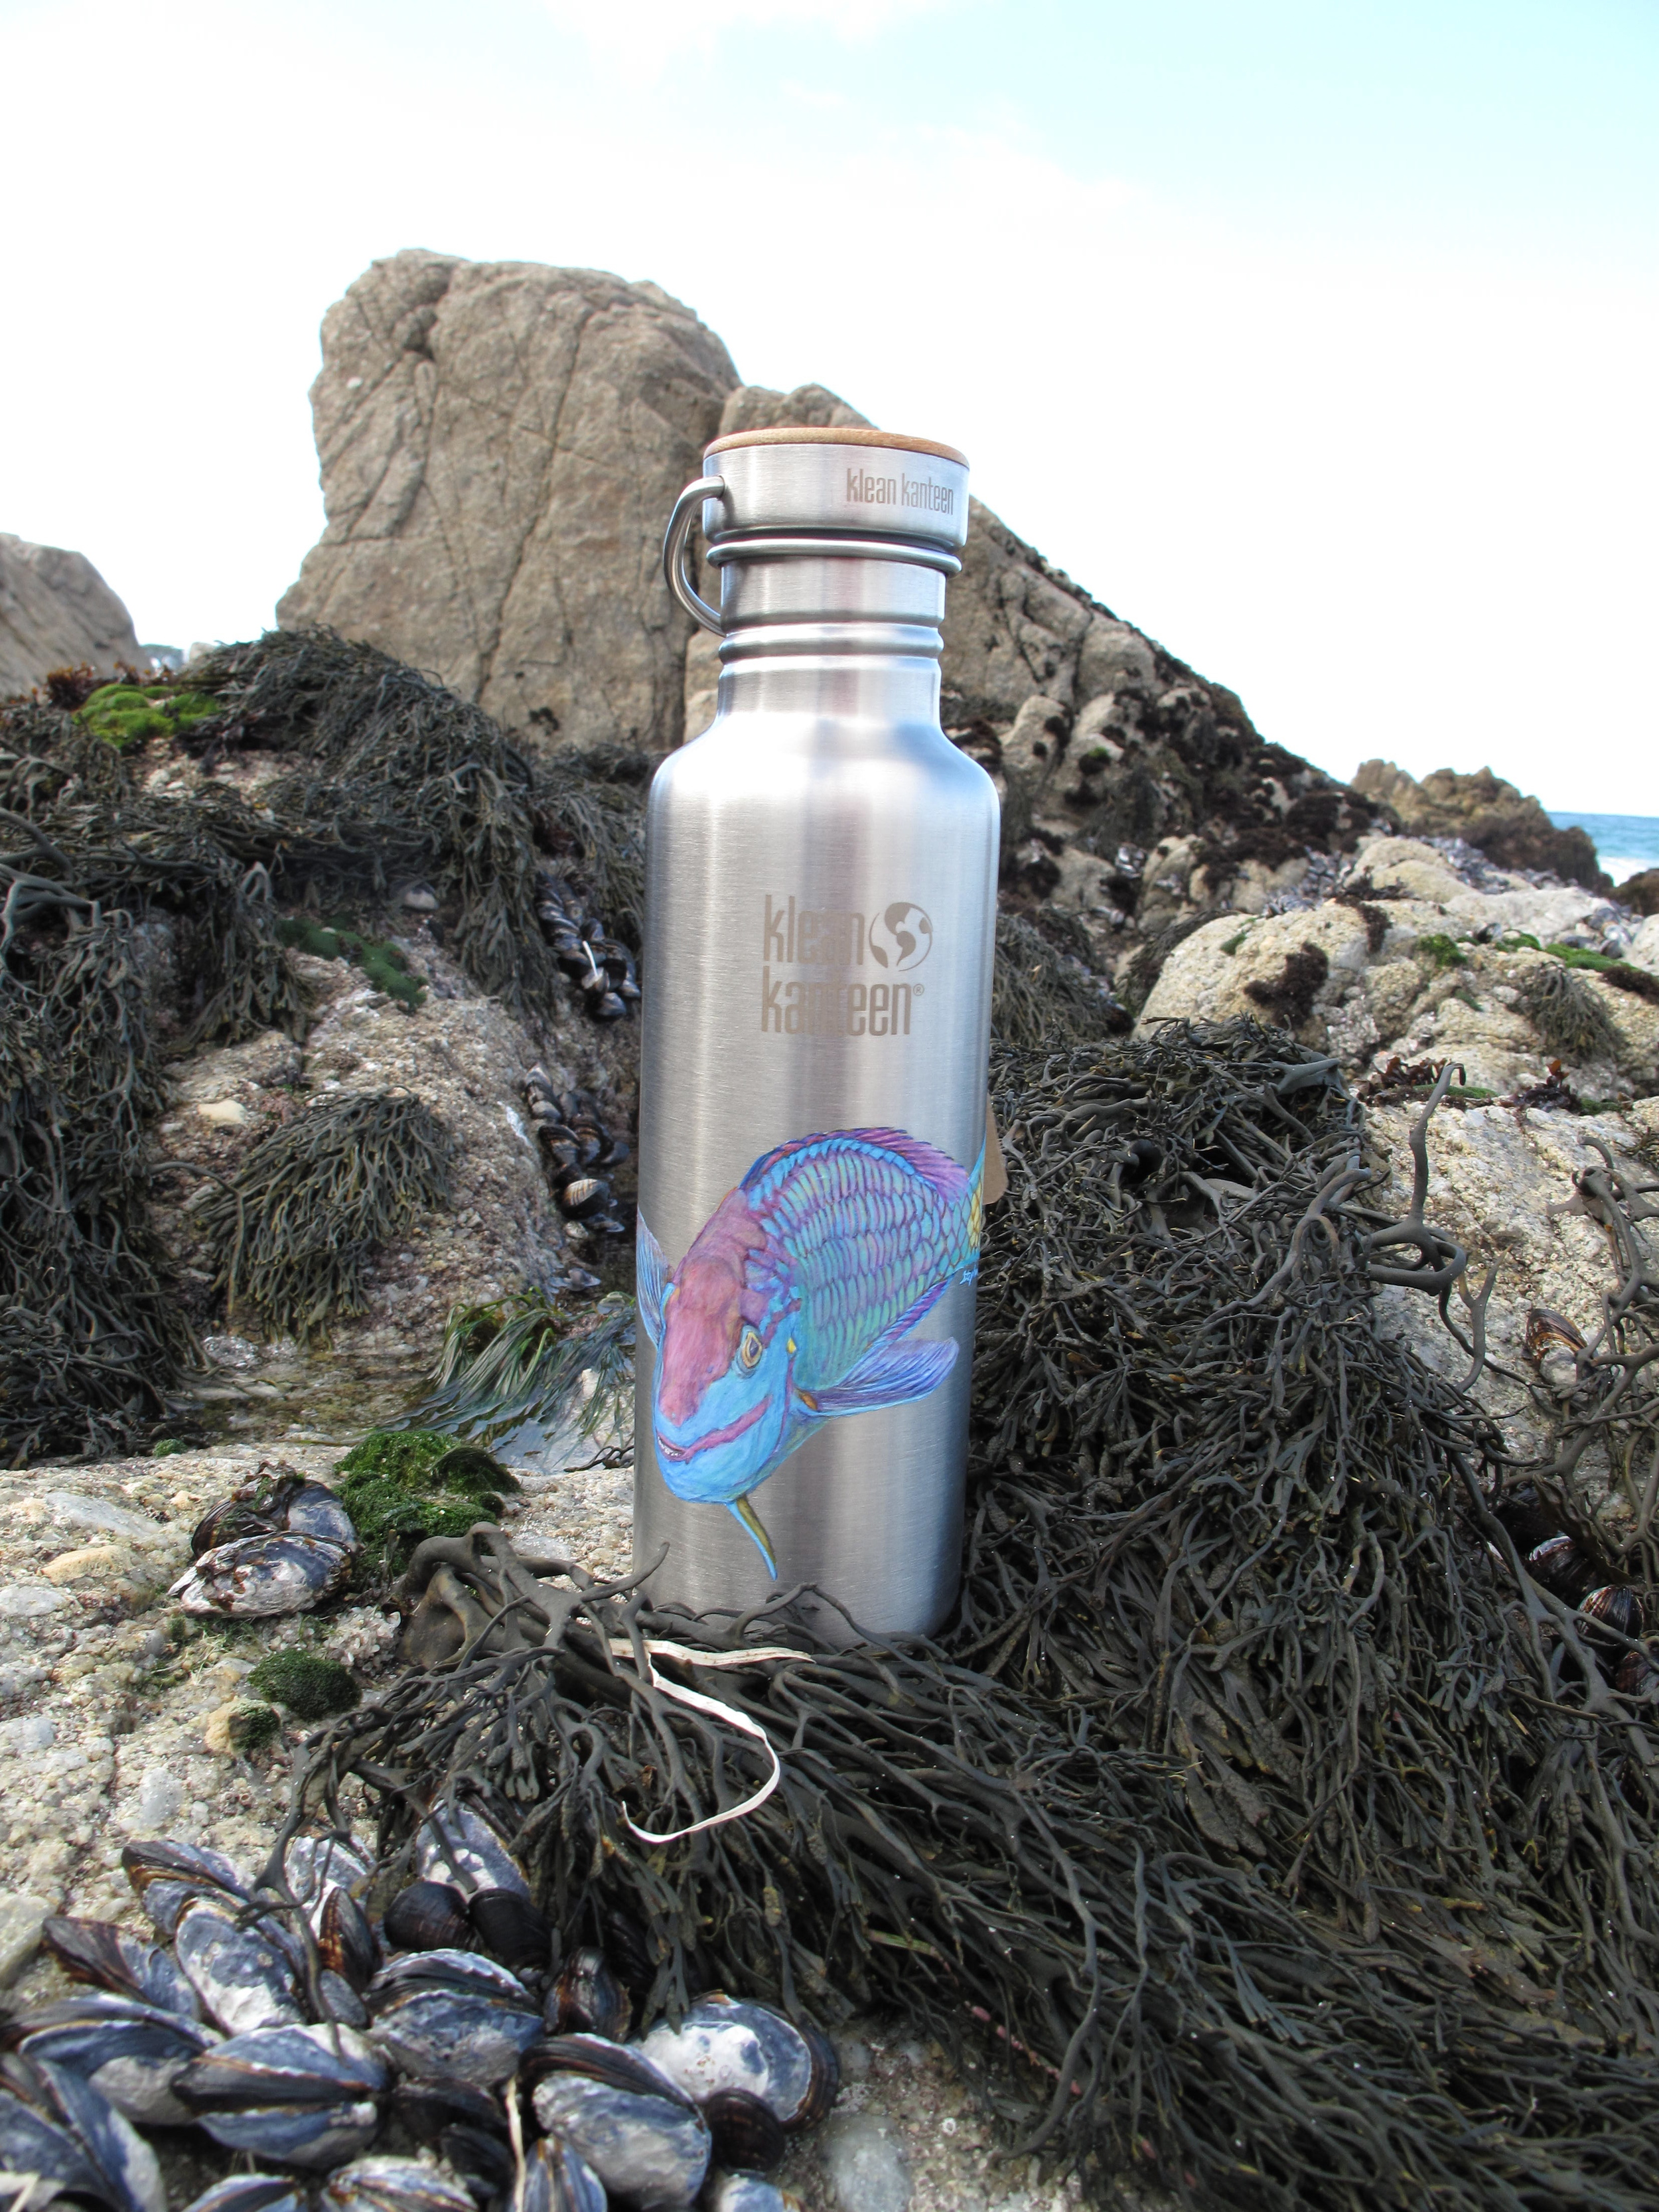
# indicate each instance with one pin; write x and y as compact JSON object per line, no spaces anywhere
{"x":599,"y":964}
{"x":272,"y":1548}
{"x":1559,"y":1563}
{"x":576,"y":1144}
{"x":294,"y":2030}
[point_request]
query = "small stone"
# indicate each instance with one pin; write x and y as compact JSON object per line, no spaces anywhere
{"x":88,"y":1560}
{"x":78,"y":1512}
{"x":160,"y":1799}
{"x":29,"y":1601}
{"x":31,"y":1732}
{"x":21,"y":1916}
{"x":225,"y":1113}
{"x":867,"y":2169}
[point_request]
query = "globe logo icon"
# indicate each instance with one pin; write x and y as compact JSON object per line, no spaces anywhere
{"x":900,"y":936}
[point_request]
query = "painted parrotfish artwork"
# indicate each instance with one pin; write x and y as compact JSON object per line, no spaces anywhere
{"x":798,"y":1304}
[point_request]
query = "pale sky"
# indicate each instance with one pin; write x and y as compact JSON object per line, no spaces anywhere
{"x":1315,"y":336}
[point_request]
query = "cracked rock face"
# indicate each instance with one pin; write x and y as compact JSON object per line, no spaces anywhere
{"x":501,"y":444}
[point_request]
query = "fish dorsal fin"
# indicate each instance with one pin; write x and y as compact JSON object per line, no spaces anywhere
{"x":651,"y":1279}
{"x":947,"y":1175}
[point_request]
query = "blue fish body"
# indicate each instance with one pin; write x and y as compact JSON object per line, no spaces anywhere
{"x":798,"y":1304}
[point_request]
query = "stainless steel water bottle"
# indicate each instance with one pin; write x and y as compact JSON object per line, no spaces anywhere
{"x":820,"y":914}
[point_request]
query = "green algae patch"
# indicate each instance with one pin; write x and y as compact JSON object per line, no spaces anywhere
{"x":313,"y":1688}
{"x":401,"y":1485}
{"x":126,"y":714}
{"x":1442,"y":951}
{"x":383,"y":965}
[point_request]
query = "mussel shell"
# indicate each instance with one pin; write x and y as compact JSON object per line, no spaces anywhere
{"x":556,"y":2178}
{"x":313,"y":1865}
{"x":1560,"y":1566}
{"x":392,"y":2185}
{"x":314,"y":1510}
{"x":132,"y":2053}
{"x":339,"y":2001}
{"x":427,"y":2107}
{"x":1635,"y":1672}
{"x":725,"y":2042}
{"x":304,"y":2064}
{"x":316,"y":2137}
{"x":474,"y":2024}
{"x":1616,"y":1605}
{"x":345,"y":1940}
{"x":587,"y":1998}
{"x":483,"y":2161}
{"x":428,"y":1916}
{"x":455,"y":1844}
{"x":106,"y":1957}
{"x":167,"y":1902}
{"x":510,"y":1928}
{"x":262,"y":1577}
{"x":251,"y":2192}
{"x":243,"y":1976}
{"x":32,"y":2143}
{"x":646,"y":2142}
{"x":163,"y":1858}
{"x":585,"y":1194}
{"x":229,"y":1522}
{"x":129,"y":2179}
{"x":606,"y":1005}
{"x":748,"y":2134}
{"x":746,"y":2192}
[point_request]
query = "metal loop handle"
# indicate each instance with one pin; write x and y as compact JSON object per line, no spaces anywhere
{"x":673,"y":551}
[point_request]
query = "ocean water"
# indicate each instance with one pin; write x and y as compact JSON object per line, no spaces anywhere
{"x":1627,"y":843}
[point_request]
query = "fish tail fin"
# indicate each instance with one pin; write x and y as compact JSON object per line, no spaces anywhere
{"x":746,"y":1517}
{"x":651,"y":1279}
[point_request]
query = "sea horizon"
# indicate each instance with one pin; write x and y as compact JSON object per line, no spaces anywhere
{"x":1625,"y":844}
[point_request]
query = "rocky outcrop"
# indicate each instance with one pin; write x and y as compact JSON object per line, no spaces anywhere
{"x":1641,"y":893}
{"x":57,"y":611}
{"x":1414,"y":958}
{"x":1512,"y":830}
{"x":499,"y":445}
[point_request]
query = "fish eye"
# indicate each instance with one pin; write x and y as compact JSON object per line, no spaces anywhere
{"x":749,"y":1351}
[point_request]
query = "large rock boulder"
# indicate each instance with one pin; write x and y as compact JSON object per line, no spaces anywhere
{"x":1512,"y":830}
{"x":57,"y":611}
{"x":501,"y":444}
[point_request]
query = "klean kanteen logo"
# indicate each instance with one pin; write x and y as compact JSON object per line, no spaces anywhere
{"x":866,"y":489}
{"x":899,"y":936}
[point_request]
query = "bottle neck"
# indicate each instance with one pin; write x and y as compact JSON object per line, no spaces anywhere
{"x":830,"y":632}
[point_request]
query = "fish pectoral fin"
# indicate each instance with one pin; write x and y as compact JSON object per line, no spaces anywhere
{"x":889,"y":1374}
{"x":651,"y":1279}
{"x":746,"y":1517}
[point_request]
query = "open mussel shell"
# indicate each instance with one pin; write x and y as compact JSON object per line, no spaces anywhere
{"x":587,"y":1998}
{"x":314,"y":1865}
{"x":391,"y":2185}
{"x":244,"y":1976}
{"x":648,"y":2144}
{"x":56,"y":2125}
{"x":345,"y":1940}
{"x":106,"y":1957}
{"x":229,"y":1522}
{"x":307,"y":2095}
{"x":262,"y":1577}
{"x":512,"y":1929}
{"x":747,"y":2134}
{"x":428,"y":1916}
{"x":452,"y":2013}
{"x":556,"y":2178}
{"x":747,"y":2192}
{"x":725,"y":2042}
{"x":455,"y":1844}
{"x":132,"y":2053}
{"x":314,"y":1510}
{"x":251,"y":2192}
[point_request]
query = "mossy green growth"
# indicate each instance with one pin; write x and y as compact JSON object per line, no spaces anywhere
{"x":250,"y":1726}
{"x":383,"y":965}
{"x":310,"y":1686}
{"x":1579,"y":956}
{"x":164,"y":1447}
{"x":1520,"y":940}
{"x":400,"y":1486}
{"x":1442,"y":951}
{"x":123,"y":714}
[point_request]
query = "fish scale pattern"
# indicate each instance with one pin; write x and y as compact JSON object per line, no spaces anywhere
{"x":866,"y":1221}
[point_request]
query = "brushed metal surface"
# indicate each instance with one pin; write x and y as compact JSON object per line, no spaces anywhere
{"x":826,"y":779}
{"x":885,"y":491}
